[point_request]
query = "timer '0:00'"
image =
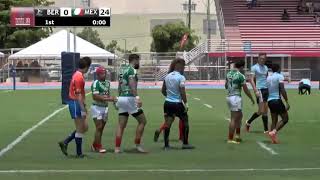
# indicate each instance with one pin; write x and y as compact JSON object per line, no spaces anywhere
{"x":99,"y":22}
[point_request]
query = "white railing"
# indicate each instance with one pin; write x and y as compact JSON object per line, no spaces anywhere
{"x":253,"y":45}
{"x":224,"y":45}
{"x":195,"y":52}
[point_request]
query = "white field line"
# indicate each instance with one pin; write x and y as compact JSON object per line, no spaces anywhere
{"x":264,"y":146}
{"x":209,"y":106}
{"x":196,"y":99}
{"x":227,"y":119}
{"x":153,"y":170}
{"x":6,"y":91}
{"x":28,"y":131}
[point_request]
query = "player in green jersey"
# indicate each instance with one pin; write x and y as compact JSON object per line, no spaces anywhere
{"x":129,"y":102}
{"x":101,"y":96}
{"x":236,"y":81}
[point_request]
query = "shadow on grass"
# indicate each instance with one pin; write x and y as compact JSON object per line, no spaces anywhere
{"x":171,"y":140}
{"x":256,"y":132}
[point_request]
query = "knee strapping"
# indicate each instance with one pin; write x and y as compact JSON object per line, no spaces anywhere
{"x":79,"y":135}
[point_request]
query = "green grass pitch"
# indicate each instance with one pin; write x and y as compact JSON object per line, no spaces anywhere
{"x":299,"y":146}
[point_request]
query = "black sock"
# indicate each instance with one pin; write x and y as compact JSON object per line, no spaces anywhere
{"x":70,"y":138}
{"x":253,"y":117}
{"x":78,"y":140}
{"x":186,"y":134}
{"x":265,"y":122}
{"x":185,"y":129}
{"x":166,"y":136}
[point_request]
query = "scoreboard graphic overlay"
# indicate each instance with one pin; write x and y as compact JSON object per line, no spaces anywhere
{"x":60,"y":17}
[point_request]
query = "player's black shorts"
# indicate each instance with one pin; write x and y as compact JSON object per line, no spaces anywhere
{"x":173,"y":109}
{"x":305,"y":86}
{"x":264,"y":95}
{"x":276,"y":106}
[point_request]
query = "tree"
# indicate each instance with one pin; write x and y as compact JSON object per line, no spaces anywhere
{"x":166,"y":38}
{"x":113,"y":46}
{"x":19,"y":37}
{"x":92,"y":36}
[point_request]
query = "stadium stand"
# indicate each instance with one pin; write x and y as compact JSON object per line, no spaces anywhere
{"x":263,"y":27}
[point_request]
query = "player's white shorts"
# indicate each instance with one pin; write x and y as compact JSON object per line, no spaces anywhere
{"x":234,"y":103}
{"x":127,"y":105}
{"x":99,"y":112}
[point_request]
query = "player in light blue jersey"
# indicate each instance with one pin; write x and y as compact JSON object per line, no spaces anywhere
{"x":277,"y":108}
{"x":258,"y":81}
{"x":163,"y":125}
{"x":173,"y":89}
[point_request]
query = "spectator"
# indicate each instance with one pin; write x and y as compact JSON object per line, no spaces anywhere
{"x":302,"y":8}
{"x":249,"y":4}
{"x":285,"y":15}
{"x":254,"y":3}
{"x":310,"y":7}
{"x":317,"y":17}
{"x":299,"y":9}
{"x":316,"y":6}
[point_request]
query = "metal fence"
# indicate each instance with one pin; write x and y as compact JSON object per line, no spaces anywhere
{"x":40,"y":70}
{"x":154,"y":67}
{"x":297,"y":74}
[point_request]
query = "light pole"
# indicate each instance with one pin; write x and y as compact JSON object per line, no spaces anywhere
{"x":189,"y":14}
{"x":208,"y":36}
{"x":188,"y":7}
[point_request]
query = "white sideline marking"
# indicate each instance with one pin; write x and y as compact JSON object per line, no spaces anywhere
{"x":264,"y":146}
{"x":28,"y":131}
{"x":227,"y":119}
{"x":153,"y":170}
{"x":209,"y":106}
{"x":196,"y":99}
{"x":6,"y":91}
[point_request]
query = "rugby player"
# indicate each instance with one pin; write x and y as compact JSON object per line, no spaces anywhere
{"x":173,"y":89}
{"x":77,"y":108}
{"x":305,"y":86}
{"x":236,"y":81}
{"x":277,"y":108}
{"x":163,"y":125}
{"x":129,"y":102}
{"x":100,"y":89}
{"x":259,"y":72}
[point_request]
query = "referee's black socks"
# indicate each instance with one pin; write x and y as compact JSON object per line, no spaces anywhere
{"x":253,"y":117}
{"x":166,"y":136}
{"x":265,"y":122}
{"x":186,"y":133}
